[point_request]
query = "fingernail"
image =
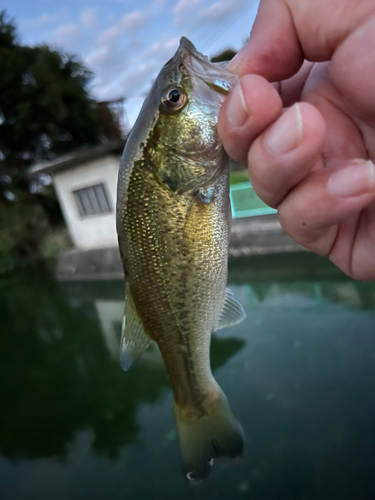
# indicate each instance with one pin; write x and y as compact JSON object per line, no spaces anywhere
{"x":237,"y":112}
{"x":354,"y":180}
{"x":287,"y":133}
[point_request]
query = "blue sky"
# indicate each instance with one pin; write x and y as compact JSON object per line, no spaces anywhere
{"x":126,"y":42}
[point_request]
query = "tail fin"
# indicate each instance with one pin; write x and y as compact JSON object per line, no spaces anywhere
{"x":207,"y":434}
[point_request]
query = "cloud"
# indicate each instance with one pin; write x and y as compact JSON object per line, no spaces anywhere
{"x":107,"y":92}
{"x":110,"y":35}
{"x":213,"y":14}
{"x":135,"y":45}
{"x":134,"y":21}
{"x":42,"y":20}
{"x":162,"y":50}
{"x":184,"y":5}
{"x":67,"y":35}
{"x":89,"y":18}
{"x":140,"y":79}
{"x":129,"y":23}
{"x":109,"y":63}
{"x":221,"y":11}
{"x":39,"y":21}
{"x":117,"y":67}
{"x":128,"y":72}
{"x":99,"y":57}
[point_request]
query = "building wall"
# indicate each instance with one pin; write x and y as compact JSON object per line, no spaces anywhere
{"x":95,"y":231}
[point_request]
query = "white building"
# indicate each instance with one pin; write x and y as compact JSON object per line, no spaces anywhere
{"x":86,"y":184}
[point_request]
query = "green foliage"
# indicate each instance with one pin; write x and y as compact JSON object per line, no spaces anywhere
{"x":8,"y":36}
{"x":237,"y":176}
{"x":23,"y":224}
{"x":44,"y":103}
{"x":45,"y":111}
{"x":226,"y":55}
{"x":56,"y":241}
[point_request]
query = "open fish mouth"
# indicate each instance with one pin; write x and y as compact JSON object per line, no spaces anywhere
{"x":199,"y":66}
{"x":216,"y":77}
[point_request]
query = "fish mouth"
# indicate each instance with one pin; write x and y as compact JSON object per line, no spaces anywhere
{"x":191,"y":58}
{"x":217,"y":78}
{"x":185,"y":54}
{"x":186,"y":45}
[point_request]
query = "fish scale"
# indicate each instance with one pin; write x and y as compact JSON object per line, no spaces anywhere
{"x":164,"y":294}
{"x":173,"y":217}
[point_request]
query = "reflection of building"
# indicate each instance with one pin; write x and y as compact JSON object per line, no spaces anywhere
{"x":110,"y":313}
{"x":86,"y":184}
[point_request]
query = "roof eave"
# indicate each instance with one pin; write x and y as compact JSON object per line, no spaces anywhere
{"x":73,"y":160}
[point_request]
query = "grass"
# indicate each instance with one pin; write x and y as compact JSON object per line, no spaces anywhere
{"x":58,"y":240}
{"x":237,"y":176}
{"x":245,"y":201}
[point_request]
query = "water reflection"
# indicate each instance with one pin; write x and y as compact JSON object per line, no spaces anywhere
{"x":299,"y":373}
{"x":59,"y":358}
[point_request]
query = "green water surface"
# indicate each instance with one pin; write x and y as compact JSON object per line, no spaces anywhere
{"x":299,"y":374}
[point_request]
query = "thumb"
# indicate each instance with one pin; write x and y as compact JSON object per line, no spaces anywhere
{"x":286,"y":32}
{"x":273,"y":50}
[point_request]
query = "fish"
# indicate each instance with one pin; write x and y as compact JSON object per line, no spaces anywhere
{"x":173,"y":218}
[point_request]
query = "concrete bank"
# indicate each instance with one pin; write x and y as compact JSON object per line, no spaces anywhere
{"x":249,"y":236}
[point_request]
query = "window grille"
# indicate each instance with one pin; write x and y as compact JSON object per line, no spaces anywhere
{"x":92,"y":200}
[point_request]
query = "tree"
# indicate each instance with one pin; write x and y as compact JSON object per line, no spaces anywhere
{"x":226,"y":55}
{"x":44,"y":102}
{"x":45,"y":111}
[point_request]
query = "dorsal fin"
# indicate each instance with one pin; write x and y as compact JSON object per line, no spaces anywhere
{"x":231,"y":313}
{"x":134,"y":339}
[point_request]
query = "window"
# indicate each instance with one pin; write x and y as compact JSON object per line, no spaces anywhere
{"x":92,"y":200}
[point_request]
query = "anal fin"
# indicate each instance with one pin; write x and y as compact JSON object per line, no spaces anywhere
{"x":231,"y":313}
{"x":134,"y":339}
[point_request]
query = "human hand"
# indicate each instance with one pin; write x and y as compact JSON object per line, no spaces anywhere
{"x":312,"y":162}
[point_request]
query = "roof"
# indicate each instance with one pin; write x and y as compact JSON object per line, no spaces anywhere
{"x":77,"y":158}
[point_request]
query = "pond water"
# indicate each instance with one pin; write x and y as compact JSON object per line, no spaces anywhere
{"x":299,"y":374}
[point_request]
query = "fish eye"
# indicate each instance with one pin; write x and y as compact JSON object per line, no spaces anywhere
{"x":174,"y":95}
{"x":174,"y":99}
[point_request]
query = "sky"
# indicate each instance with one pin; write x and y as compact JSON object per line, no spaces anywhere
{"x":125,"y":43}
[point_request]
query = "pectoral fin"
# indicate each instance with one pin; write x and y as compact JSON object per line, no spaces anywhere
{"x":231,"y":313}
{"x":134,"y":339}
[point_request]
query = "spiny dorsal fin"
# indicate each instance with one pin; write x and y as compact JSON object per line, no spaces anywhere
{"x":134,"y":339}
{"x":231,"y":313}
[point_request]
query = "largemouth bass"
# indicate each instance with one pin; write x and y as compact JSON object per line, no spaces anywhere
{"x":173,"y":223}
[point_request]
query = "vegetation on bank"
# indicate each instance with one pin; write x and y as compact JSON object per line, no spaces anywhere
{"x":237,"y":176}
{"x":45,"y":111}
